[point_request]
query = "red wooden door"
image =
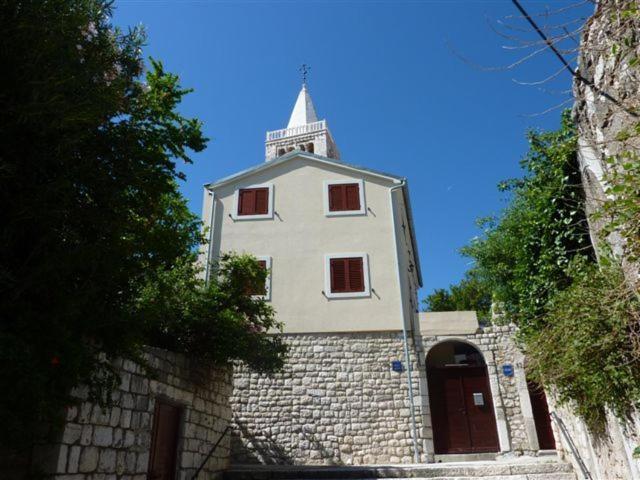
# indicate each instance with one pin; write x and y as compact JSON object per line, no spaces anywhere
{"x":164,"y":442}
{"x":541,"y":416}
{"x":479,"y":410}
{"x":459,"y":425}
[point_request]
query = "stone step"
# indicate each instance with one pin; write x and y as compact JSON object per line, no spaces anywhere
{"x":498,"y":470}
{"x":530,"y":476}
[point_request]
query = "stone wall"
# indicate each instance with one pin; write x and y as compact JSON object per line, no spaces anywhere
{"x":605,"y":108}
{"x":114,"y":443}
{"x":337,"y":402}
{"x":600,"y":118}
{"x":607,"y":456}
{"x":516,"y":428}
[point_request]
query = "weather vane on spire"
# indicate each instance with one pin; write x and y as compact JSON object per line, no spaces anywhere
{"x":304,"y":71}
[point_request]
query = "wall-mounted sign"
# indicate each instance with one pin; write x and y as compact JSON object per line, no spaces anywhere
{"x":396,"y":366}
{"x":507,"y":370}
{"x":478,"y":399}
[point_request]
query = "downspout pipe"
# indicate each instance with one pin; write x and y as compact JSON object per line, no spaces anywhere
{"x":405,"y":339}
{"x":212,"y":218}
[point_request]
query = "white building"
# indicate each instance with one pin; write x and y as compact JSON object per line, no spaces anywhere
{"x":369,"y":380}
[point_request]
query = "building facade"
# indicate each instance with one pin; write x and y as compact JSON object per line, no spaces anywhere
{"x":369,"y":379}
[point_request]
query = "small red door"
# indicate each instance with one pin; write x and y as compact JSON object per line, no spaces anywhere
{"x":462,"y":410}
{"x":541,"y":416}
{"x":164,"y":442}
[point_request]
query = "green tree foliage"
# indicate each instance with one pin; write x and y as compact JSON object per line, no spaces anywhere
{"x":472,"y":293}
{"x":578,"y":319}
{"x":94,"y":230}
{"x":523,"y":254}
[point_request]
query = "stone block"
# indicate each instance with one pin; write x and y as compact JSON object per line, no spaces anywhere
{"x":102,"y":436}
{"x":107,"y":461}
{"x":88,"y":459}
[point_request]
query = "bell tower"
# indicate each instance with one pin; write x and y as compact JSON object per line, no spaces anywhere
{"x":304,"y":132}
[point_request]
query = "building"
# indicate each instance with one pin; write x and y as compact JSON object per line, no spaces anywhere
{"x":369,"y":379}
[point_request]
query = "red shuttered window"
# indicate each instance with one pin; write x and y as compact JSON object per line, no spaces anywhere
{"x":347,"y":275}
{"x":344,"y":197}
{"x":253,"y":201}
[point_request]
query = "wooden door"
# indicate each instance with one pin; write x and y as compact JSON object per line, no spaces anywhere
{"x":541,"y":416}
{"x":479,"y":410}
{"x":459,"y":425}
{"x":164,"y":442}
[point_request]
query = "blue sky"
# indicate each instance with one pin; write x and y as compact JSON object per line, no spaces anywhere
{"x":389,"y":78}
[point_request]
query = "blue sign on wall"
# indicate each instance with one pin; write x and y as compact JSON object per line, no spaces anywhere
{"x":507,"y":370}
{"x":396,"y":366}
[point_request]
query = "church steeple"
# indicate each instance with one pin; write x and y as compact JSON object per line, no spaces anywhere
{"x":304,"y":131}
{"x":303,"y":111}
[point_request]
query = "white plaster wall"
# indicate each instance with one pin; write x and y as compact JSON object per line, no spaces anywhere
{"x":298,"y":237}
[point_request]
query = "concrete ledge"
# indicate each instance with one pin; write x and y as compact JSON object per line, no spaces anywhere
{"x":448,"y":323}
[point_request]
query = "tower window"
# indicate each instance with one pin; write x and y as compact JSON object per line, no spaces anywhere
{"x":281,"y":151}
{"x":310,"y":147}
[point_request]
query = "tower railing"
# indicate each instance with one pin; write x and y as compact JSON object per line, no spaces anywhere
{"x":293,"y":131}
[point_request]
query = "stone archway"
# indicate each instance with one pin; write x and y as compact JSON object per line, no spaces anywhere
{"x":462,"y":412}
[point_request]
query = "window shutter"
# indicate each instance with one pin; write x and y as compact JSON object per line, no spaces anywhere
{"x":338,"y":275}
{"x":253,"y":201}
{"x":352,"y":195}
{"x":344,"y":197}
{"x":356,"y":274}
{"x":335,"y":198}
{"x":262,"y":201}
{"x":247,"y":202}
{"x":347,"y":275}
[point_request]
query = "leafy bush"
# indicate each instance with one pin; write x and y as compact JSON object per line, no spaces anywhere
{"x":590,"y":348}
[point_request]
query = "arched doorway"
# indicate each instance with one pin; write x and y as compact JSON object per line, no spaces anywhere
{"x":462,"y":412}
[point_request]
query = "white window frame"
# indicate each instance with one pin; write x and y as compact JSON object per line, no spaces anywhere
{"x":343,"y":213}
{"x":236,"y":202}
{"x":267,"y":281}
{"x":365,"y":274}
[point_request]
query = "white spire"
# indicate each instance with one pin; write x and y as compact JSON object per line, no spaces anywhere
{"x":303,"y":111}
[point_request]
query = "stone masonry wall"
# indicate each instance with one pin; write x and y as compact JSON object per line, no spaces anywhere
{"x":336,"y":402}
{"x":608,"y":456}
{"x":339,"y":402}
{"x":515,"y":429}
{"x":114,"y":444}
{"x":606,"y":108}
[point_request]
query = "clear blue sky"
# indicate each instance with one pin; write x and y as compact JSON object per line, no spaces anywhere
{"x":388,"y":77}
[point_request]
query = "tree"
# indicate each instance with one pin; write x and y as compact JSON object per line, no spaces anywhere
{"x":92,"y":219}
{"x":471,"y":293}
{"x":523,"y":255}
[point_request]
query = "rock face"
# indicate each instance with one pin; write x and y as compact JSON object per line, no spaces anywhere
{"x":604,"y":60}
{"x":609,"y":106}
{"x":339,"y":402}
{"x":115,"y":443}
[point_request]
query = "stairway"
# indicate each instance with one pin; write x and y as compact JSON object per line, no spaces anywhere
{"x":513,"y":469}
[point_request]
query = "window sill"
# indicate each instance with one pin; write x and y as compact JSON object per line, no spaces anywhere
{"x":364,"y":294}
{"x":265,"y":216}
{"x":346,"y":213}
